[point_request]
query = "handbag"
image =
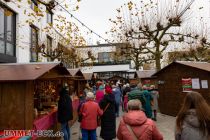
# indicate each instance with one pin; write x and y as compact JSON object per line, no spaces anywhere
{"x":80,"y":108}
{"x":99,"y":118}
{"x":79,"y":117}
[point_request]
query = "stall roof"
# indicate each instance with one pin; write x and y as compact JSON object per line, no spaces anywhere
{"x":199,"y":65}
{"x":88,"y":76}
{"x":27,"y":71}
{"x":74,"y":72}
{"x":144,"y":73}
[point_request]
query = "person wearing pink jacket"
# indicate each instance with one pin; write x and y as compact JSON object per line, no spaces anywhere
{"x":89,"y":110}
{"x":134,"y":125}
{"x":100,"y":93}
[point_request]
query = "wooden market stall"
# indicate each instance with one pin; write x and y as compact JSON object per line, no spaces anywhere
{"x":77,"y":82}
{"x":28,"y":95}
{"x":176,"y":79}
{"x":77,"y":79}
{"x":145,"y":77}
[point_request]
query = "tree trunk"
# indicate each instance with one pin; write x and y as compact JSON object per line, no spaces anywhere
{"x":157,"y":61}
{"x":137,"y":67}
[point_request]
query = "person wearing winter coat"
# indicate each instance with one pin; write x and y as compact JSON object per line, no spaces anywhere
{"x":135,"y":124}
{"x":100,"y":93}
{"x":65,"y":112}
{"x":108,"y":119}
{"x":155,"y":96}
{"x":89,"y":110}
{"x":193,"y":119}
{"x":117,"y":94}
{"x":147,"y":106}
{"x":137,"y":93}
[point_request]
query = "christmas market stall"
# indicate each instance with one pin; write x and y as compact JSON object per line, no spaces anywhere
{"x":178,"y":78}
{"x":77,"y":80}
{"x":29,"y":95}
{"x":76,"y":83}
{"x":145,"y":77}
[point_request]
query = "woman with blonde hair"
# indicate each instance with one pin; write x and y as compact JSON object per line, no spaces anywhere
{"x":193,"y":120}
{"x":134,"y":125}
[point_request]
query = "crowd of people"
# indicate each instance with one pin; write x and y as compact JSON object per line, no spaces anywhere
{"x":140,"y":106}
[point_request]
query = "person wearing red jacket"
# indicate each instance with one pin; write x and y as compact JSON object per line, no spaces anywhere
{"x":89,"y":110}
{"x":134,"y":125}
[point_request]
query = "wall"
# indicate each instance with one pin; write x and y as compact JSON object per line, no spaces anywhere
{"x":171,"y":95}
{"x":16,"y":105}
{"x":95,"y":50}
{"x":23,"y":29}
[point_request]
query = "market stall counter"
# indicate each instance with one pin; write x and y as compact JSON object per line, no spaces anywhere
{"x":29,"y":96}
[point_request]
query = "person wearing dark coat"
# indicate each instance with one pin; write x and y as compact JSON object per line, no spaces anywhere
{"x":108,"y":119}
{"x":65,"y":112}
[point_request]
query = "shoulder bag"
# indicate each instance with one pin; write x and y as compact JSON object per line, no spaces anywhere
{"x":99,"y":118}
{"x":131,"y":131}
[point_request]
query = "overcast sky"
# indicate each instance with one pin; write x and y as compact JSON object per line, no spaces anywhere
{"x":96,"y":13}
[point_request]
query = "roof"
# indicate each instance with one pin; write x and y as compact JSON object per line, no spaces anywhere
{"x":88,"y":76}
{"x":116,"y":77}
{"x":106,"y":68}
{"x":27,"y":71}
{"x":102,"y":45}
{"x":199,"y":65}
{"x":73,"y":72}
{"x":144,"y":73}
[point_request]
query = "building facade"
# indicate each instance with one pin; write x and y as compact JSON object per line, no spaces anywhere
{"x":22,"y":28}
{"x":108,"y":63}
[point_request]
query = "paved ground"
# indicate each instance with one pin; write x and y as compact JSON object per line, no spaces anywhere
{"x":165,"y":124}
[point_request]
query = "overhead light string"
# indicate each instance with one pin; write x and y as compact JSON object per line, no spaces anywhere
{"x":106,"y":40}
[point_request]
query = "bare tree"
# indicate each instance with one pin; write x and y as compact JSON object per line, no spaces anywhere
{"x":154,"y":25}
{"x":135,"y":52}
{"x":197,"y":52}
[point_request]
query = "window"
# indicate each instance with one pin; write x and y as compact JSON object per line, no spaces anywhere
{"x":105,"y":57}
{"x":49,"y":17}
{"x":34,"y":5}
{"x":7,"y":31}
{"x":49,"y":47}
{"x":34,"y":44}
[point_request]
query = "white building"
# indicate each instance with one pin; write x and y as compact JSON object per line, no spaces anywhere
{"x":21,"y":30}
{"x":108,"y":62}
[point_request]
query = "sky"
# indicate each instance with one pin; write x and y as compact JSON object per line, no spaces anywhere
{"x":96,"y":13}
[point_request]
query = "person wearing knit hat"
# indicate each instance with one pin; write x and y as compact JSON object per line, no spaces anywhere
{"x":89,"y":110}
{"x":108,"y":119}
{"x":108,"y":89}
